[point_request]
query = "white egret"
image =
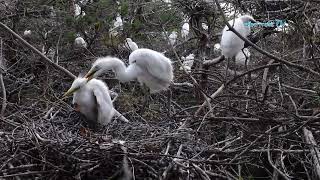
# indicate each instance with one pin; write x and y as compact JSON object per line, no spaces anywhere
{"x":92,"y":99}
{"x":204,"y":26}
{"x":27,"y":33}
{"x":187,"y":63}
{"x":148,"y":66}
{"x":243,"y":57}
{"x":130,"y":44}
{"x":173,"y":37}
{"x":77,"y":10}
{"x":118,"y":24}
{"x":80,"y":42}
{"x":185,"y":30}
{"x":231,"y":44}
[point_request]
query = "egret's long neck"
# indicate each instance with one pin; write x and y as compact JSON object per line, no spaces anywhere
{"x":121,"y":71}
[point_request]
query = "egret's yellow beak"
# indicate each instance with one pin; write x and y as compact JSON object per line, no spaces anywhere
{"x":69,"y":92}
{"x":90,"y":74}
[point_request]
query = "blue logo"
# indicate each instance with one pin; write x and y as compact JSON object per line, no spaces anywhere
{"x":271,"y":23}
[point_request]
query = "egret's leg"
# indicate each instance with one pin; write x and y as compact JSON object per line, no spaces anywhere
{"x":169,"y":97}
{"x":146,"y":94}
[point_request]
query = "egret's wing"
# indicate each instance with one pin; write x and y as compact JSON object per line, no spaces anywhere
{"x":104,"y":106}
{"x":157,"y":65}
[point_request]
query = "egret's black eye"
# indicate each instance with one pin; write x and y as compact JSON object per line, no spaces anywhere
{"x":134,"y":61}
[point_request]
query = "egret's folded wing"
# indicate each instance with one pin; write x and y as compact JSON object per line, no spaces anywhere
{"x":104,"y":106}
{"x":158,"y":66}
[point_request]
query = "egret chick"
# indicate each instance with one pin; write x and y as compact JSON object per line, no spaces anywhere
{"x":80,"y":42}
{"x":204,"y":26}
{"x":92,"y":99}
{"x":118,"y":24}
{"x":27,"y":33}
{"x":231,"y":44}
{"x":130,"y":44}
{"x":173,"y":37}
{"x":187,"y":63}
{"x":185,"y":30}
{"x":148,"y":66}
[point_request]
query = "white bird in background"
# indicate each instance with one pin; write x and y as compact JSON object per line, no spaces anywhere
{"x":205,"y":26}
{"x":80,"y":42}
{"x":129,"y":44}
{"x":242,"y":57}
{"x":117,"y":25}
{"x":27,"y":33}
{"x":187,"y":62}
{"x":173,"y":37}
{"x":92,"y":99}
{"x":217,"y":46}
{"x":78,"y":11}
{"x":185,"y":30}
{"x":148,"y":66}
{"x":217,"y":49}
{"x":231,"y":44}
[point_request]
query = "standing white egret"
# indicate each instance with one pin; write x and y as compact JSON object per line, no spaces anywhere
{"x":92,"y":99}
{"x":231,"y":44}
{"x":204,"y":26}
{"x":173,"y":37}
{"x":148,"y":66}
{"x":80,"y":42}
{"x":117,"y":25}
{"x":185,"y":30}
{"x":188,"y":62}
{"x":27,"y":33}
{"x":130,"y":44}
{"x":78,"y":11}
{"x":243,"y":57}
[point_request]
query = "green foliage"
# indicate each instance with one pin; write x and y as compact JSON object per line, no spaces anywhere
{"x":137,"y":24}
{"x":70,"y":36}
{"x":124,"y":8}
{"x":69,"y":20}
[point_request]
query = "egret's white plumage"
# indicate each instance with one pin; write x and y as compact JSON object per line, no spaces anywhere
{"x":149,"y":67}
{"x":92,"y":99}
{"x":187,"y":63}
{"x":117,"y":25}
{"x":242,"y":57}
{"x":27,"y":33}
{"x":80,"y":42}
{"x":77,"y":10}
{"x":231,"y":44}
{"x":205,"y":26}
{"x":173,"y":37}
{"x":130,"y":44}
{"x":185,"y":30}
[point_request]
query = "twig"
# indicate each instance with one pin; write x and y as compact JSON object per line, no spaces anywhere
{"x":3,"y":88}
{"x":208,"y":100}
{"x":271,"y":163}
{"x":120,"y":116}
{"x":314,"y":150}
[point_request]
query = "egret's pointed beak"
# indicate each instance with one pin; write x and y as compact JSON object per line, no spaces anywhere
{"x":90,"y":74}
{"x":69,"y":92}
